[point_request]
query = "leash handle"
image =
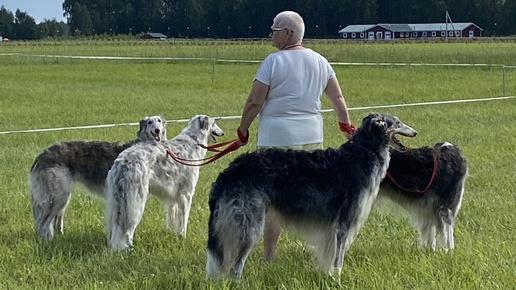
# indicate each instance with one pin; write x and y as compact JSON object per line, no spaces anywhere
{"x":347,"y":128}
{"x":243,"y":138}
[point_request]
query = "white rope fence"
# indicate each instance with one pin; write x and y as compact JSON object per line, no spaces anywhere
{"x":238,"y":117}
{"x":504,"y":97}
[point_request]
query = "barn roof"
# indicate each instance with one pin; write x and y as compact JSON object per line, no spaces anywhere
{"x":442,"y":26}
{"x":396,"y":27}
{"x":403,"y":27}
{"x":156,"y":35}
{"x":356,"y":28}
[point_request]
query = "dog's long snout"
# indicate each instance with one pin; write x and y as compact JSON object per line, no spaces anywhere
{"x":217,"y":131}
{"x":157,"y":134}
{"x":407,"y":131}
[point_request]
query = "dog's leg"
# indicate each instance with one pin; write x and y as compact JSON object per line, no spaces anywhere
{"x":235,"y":226}
{"x":236,"y":271}
{"x":171,"y":208}
{"x":249,"y":237}
{"x":184,"y":205}
{"x":271,"y":234}
{"x":178,"y":212}
{"x":445,"y":229}
{"x":451,"y":242}
{"x":125,"y":204}
{"x":59,"y":220}
{"x":213,"y":264}
{"x":428,"y":234}
{"x":43,"y":219}
{"x":214,"y":248}
{"x":339,"y":255}
{"x":326,"y":249}
{"x":50,"y":217}
{"x":50,"y":192}
{"x":135,"y":209}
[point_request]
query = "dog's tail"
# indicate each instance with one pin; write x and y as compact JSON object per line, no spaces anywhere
{"x":235,"y":226}
{"x":126,"y":194}
{"x":457,"y":170}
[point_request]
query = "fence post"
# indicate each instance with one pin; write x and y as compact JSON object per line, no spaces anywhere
{"x":213,"y":71}
{"x":503,"y":81}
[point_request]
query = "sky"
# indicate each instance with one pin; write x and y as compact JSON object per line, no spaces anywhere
{"x":38,"y":9}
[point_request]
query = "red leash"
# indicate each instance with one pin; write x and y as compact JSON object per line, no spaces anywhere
{"x":434,"y":173}
{"x":233,"y":145}
{"x":214,"y":147}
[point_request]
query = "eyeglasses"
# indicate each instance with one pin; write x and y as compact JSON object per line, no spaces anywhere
{"x":274,"y":29}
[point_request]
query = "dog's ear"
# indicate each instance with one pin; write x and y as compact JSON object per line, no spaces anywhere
{"x":163,"y":119}
{"x":164,"y":133}
{"x":142,"y":125}
{"x":204,"y":122}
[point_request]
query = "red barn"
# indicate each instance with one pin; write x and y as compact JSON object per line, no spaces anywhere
{"x":388,"y":31}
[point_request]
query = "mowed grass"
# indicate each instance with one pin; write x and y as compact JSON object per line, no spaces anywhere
{"x":49,"y":92}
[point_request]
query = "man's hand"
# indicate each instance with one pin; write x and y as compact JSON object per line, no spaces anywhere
{"x":241,"y":137}
{"x":347,"y":128}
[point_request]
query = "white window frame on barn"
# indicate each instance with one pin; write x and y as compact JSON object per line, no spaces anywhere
{"x":370,"y":35}
{"x":457,"y":33}
{"x":434,"y":34}
{"x":443,"y":33}
{"x":387,"y":35}
{"x":414,"y":34}
{"x":362,"y":35}
{"x":353,"y":35}
{"x":345,"y":35}
{"x":450,"y":33}
{"x":401,"y":34}
{"x":424,"y":33}
{"x":471,"y":33}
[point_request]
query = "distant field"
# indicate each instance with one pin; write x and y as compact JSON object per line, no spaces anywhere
{"x":486,"y":52}
{"x":48,"y":92}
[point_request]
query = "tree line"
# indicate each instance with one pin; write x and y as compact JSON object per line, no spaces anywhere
{"x":244,"y":18}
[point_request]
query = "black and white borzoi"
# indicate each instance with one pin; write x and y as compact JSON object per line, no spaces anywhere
{"x":59,"y":166}
{"x":325,"y":194}
{"x":428,"y":182}
{"x":147,"y":166}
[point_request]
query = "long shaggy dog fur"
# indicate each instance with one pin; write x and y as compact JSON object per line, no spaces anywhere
{"x":59,"y":166}
{"x":433,"y":212}
{"x":325,"y":194}
{"x":147,"y":165}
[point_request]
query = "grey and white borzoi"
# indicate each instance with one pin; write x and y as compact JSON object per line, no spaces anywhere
{"x":147,"y":166}
{"x":325,"y":194}
{"x":428,"y":182}
{"x":59,"y":166}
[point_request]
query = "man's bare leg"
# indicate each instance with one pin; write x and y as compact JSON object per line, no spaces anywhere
{"x":271,"y":234}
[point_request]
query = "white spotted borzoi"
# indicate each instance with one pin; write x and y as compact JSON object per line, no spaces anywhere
{"x":59,"y":166}
{"x":147,"y":166}
{"x":324,"y":194}
{"x":428,"y":182}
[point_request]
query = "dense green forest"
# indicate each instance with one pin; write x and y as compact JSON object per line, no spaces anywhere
{"x":243,"y":18}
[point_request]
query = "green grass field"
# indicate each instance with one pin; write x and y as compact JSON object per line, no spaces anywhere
{"x":47,"y":92}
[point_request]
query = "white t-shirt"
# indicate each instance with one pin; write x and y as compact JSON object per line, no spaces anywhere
{"x":291,"y":113}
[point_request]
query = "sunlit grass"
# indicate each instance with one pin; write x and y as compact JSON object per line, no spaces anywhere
{"x":47,"y":92}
